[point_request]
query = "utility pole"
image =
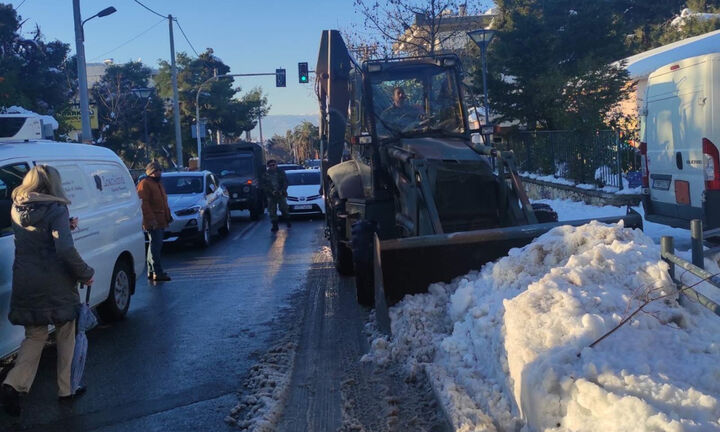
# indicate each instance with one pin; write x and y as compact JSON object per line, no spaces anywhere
{"x":260,"y":126}
{"x":176,"y":103}
{"x":82,"y":75}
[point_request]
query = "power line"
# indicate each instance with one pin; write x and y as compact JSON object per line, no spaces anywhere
{"x":156,"y":13}
{"x":21,"y":3}
{"x":131,"y":40}
{"x":186,"y":38}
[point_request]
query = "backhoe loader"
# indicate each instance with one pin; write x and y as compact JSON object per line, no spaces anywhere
{"x":420,"y":199}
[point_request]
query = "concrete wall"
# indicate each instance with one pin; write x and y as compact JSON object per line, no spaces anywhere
{"x":538,"y":189}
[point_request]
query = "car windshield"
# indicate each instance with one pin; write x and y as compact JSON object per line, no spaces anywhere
{"x":303,"y":178}
{"x":417,"y":99}
{"x":230,"y":166}
{"x":177,"y":185}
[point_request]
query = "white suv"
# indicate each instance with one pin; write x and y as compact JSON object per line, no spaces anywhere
{"x":199,"y":206}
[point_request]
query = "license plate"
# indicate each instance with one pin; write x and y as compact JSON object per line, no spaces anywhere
{"x":303,"y":207}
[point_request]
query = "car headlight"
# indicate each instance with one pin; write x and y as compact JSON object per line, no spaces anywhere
{"x":188,"y":211}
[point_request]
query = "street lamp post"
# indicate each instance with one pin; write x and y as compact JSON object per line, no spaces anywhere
{"x":145,"y":93}
{"x":482,"y":39}
{"x":82,"y":70}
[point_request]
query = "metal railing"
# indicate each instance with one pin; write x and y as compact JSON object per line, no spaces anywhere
{"x":696,"y":267}
{"x":598,"y":158}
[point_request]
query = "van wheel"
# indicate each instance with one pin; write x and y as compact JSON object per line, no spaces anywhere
{"x":122,"y":285}
{"x":225,"y":229}
{"x":205,"y":234}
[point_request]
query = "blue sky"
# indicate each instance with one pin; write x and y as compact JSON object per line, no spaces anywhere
{"x":248,"y":35}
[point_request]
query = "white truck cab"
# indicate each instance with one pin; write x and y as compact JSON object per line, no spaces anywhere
{"x":680,"y":134}
{"x":109,"y":236}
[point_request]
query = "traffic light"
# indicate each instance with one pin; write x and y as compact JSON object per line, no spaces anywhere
{"x":303,"y":73}
{"x":279,"y":77}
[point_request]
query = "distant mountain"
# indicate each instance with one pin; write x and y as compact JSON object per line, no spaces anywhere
{"x":279,"y":124}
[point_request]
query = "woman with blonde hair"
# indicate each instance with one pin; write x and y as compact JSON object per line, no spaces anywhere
{"x":46,"y":270}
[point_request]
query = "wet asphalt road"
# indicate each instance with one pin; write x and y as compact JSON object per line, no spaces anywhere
{"x":178,"y":359}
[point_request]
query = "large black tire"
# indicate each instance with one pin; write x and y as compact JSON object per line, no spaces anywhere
{"x":122,"y":285}
{"x":342,"y":254}
{"x":225,"y":229}
{"x":544,"y":213}
{"x":362,"y":253}
{"x":205,"y":234}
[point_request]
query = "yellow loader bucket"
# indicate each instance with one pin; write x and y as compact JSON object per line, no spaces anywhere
{"x":409,"y":265}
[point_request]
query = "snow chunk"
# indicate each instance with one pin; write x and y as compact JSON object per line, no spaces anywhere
{"x":508,"y":347}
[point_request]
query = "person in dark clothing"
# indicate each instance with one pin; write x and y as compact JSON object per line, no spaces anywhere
{"x":156,"y":217}
{"x":274,"y":183}
{"x":46,"y":271}
{"x":400,"y":116}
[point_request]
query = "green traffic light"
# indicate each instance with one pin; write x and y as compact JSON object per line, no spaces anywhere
{"x":303,"y":78}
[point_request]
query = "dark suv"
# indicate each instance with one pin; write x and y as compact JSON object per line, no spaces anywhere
{"x":238,"y":167}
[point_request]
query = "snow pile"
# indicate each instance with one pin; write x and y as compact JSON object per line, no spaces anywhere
{"x":508,"y":347}
{"x":687,"y":15}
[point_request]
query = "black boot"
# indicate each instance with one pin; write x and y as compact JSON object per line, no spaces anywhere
{"x":10,"y":399}
{"x":274,"y":226}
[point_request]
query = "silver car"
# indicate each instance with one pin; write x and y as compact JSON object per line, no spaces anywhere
{"x":199,"y":206}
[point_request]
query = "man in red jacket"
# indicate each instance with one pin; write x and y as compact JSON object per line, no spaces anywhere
{"x":156,"y":217}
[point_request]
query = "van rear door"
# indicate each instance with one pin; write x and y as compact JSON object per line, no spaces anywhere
{"x":676,"y":122}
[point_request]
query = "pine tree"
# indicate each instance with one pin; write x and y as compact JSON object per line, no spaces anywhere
{"x":551,"y":65}
{"x":33,"y":72}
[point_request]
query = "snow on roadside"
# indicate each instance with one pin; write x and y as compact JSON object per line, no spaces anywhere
{"x":508,"y":347}
{"x":571,"y":210}
{"x":266,"y":389}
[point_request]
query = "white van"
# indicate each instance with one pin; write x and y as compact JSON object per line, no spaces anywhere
{"x":680,"y":130}
{"x":109,"y":236}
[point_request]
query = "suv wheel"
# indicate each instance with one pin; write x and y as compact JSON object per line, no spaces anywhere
{"x":205,"y":234}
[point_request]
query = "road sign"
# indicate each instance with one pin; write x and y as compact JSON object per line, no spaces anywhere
{"x":203,"y":130}
{"x":71,"y":116}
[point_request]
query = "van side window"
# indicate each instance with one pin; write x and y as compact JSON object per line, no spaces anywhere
{"x":10,"y":177}
{"x":74,"y":183}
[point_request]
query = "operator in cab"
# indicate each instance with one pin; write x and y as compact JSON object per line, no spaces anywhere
{"x":399,"y":116}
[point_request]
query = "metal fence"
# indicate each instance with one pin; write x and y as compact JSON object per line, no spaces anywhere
{"x":597,"y":158}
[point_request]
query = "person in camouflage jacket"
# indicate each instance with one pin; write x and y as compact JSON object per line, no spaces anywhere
{"x":274,"y":184}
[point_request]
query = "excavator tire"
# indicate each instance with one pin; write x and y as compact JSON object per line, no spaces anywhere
{"x":342,"y":254}
{"x":362,"y":252}
{"x":544,"y":213}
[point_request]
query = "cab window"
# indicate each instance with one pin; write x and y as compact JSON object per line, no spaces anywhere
{"x":11,"y":176}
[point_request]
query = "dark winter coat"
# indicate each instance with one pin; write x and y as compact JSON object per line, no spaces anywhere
{"x":274,"y":184}
{"x":155,"y":210}
{"x":47,"y":266}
